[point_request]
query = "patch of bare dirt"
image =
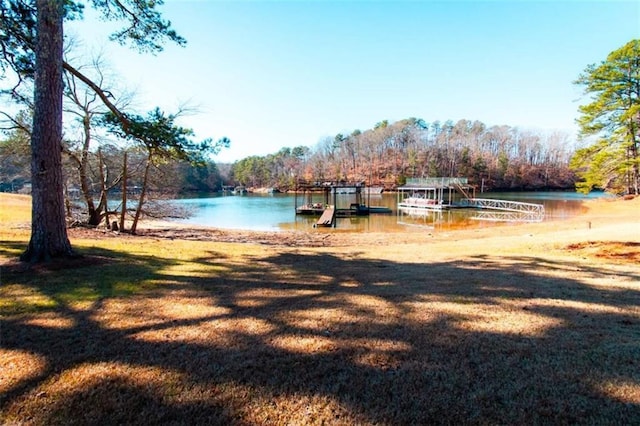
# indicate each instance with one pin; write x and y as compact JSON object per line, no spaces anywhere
{"x":287,"y":239}
{"x":618,"y":251}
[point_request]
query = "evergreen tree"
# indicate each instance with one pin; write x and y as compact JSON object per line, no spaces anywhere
{"x":31,"y":44}
{"x":612,"y":162}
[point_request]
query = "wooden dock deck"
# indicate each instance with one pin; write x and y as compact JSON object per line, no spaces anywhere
{"x":328,"y":217}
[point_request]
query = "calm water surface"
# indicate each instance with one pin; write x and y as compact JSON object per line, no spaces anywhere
{"x":277,"y":212}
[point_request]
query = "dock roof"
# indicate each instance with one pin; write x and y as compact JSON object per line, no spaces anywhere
{"x":435,"y":183}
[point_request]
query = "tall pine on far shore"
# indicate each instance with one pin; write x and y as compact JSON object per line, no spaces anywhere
{"x":612,"y":118}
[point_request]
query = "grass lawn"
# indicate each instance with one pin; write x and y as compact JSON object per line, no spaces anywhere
{"x":503,"y":329}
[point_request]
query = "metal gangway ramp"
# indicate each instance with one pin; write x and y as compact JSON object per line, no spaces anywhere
{"x":531,"y":210}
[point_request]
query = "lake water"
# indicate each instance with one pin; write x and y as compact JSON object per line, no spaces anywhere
{"x":277,"y":212}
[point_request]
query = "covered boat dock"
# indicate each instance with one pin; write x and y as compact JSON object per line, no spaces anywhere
{"x":419,"y":197}
{"x":321,"y":199}
{"x":438,"y":193}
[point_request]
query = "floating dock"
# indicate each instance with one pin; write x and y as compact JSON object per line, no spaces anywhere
{"x":321,"y":199}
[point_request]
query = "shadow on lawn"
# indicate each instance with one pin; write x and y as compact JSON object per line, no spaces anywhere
{"x":338,"y":339}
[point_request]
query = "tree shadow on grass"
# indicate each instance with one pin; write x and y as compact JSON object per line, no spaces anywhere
{"x":96,"y":274}
{"x":308,"y":337}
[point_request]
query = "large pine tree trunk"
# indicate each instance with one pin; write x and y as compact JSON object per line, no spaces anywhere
{"x":48,"y":227}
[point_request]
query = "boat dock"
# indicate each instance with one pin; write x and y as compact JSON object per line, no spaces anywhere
{"x":419,"y":197}
{"x":428,"y":194}
{"x":331,"y":200}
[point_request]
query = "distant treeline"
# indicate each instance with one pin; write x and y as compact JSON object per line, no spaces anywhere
{"x":171,"y":177}
{"x":498,"y":157}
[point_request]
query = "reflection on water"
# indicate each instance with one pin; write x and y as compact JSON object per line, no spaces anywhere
{"x":276,"y":212}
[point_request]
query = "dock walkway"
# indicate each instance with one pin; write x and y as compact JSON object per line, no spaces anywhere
{"x":504,"y":205}
{"x":327,"y":218}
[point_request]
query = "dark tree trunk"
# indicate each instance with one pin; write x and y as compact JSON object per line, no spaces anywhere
{"x":104,"y":204}
{"x":143,"y":192}
{"x":95,"y":215}
{"x":48,"y":227}
{"x":124,"y":191}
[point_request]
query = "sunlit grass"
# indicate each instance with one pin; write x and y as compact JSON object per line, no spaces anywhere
{"x":18,"y":366}
{"x":14,"y":209}
{"x":622,"y":389}
{"x":18,"y":299}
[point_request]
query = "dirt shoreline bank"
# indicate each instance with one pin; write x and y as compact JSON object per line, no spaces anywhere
{"x":614,"y":222}
{"x":603,"y":220}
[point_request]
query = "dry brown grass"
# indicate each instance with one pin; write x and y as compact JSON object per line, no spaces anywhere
{"x":14,"y":208}
{"x":515,"y":325}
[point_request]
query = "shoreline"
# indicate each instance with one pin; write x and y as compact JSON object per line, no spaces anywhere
{"x":605,"y":220}
{"x":602,"y":220}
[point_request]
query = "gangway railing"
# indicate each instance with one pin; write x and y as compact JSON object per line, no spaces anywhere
{"x":504,"y":205}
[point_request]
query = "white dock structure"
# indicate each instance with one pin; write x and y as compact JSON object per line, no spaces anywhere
{"x":422,"y":196}
{"x":428,"y":194}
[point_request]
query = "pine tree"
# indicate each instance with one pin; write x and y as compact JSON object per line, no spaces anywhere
{"x":31,"y":44}
{"x":612,"y":117}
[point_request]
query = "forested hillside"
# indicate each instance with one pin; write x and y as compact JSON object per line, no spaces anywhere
{"x":498,"y":157}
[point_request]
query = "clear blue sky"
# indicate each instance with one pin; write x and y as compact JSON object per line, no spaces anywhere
{"x":287,"y":73}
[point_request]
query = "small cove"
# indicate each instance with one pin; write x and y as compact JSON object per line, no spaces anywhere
{"x":275,"y":212}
